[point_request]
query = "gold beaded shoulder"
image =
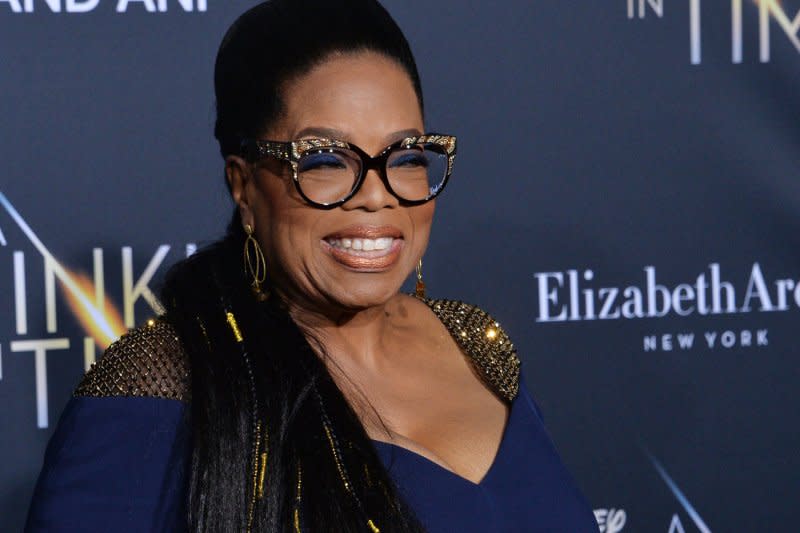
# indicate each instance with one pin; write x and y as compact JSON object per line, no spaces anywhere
{"x":482,"y":339}
{"x":147,"y":361}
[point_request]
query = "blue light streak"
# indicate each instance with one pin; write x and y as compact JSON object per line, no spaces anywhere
{"x":690,"y":510}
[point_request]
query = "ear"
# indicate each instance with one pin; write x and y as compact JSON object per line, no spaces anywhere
{"x":240,"y":177}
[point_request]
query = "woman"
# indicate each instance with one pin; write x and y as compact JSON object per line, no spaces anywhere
{"x":289,"y":385}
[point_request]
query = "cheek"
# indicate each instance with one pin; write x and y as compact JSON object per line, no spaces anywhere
{"x":292,"y":230}
{"x":286,"y":222}
{"x":422,"y":218}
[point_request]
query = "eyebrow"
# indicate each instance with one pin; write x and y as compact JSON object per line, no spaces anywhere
{"x":333,"y":133}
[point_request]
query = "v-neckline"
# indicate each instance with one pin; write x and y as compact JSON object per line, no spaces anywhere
{"x":504,"y":437}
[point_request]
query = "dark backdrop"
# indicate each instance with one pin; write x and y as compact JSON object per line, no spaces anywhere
{"x":626,"y":202}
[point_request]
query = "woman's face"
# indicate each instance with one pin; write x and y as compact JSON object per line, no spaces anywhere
{"x":368,"y":100}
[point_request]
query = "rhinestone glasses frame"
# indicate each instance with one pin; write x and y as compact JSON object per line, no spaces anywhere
{"x":293,"y":151}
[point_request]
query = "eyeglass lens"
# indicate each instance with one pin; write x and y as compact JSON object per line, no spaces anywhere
{"x":329,"y":175}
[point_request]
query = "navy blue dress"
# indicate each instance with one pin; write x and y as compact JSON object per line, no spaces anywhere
{"x":119,"y":464}
{"x":527,"y":487}
{"x":119,"y":455}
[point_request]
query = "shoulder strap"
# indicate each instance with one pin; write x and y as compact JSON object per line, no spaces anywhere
{"x":146,"y":361}
{"x":482,"y":339}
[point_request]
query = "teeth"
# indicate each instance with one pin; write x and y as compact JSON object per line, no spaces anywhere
{"x":367,"y":245}
{"x":383,"y":243}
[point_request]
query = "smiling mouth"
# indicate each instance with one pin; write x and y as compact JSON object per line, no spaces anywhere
{"x":356,"y":245}
{"x":366,"y":249}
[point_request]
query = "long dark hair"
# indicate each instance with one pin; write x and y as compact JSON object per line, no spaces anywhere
{"x":276,"y":445}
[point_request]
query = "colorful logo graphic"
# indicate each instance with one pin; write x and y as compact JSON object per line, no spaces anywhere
{"x":100,"y":319}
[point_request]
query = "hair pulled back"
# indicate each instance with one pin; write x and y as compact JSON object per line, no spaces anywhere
{"x":258,"y":389}
{"x":280,"y":40}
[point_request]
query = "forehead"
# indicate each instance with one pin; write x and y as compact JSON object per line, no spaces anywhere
{"x":365,"y":96}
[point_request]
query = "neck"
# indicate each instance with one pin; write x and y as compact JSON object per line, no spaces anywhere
{"x":359,"y":335}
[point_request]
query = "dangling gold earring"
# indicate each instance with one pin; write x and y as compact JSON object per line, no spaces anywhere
{"x":255,"y":265}
{"x":420,"y":284}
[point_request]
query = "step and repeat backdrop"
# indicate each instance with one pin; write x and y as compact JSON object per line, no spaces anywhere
{"x":626,"y":202}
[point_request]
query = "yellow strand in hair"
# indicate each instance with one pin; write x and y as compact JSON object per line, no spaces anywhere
{"x":252,"y":507}
{"x":336,"y":458}
{"x":263,"y":468}
{"x":203,"y":330}
{"x":340,"y":468}
{"x":367,"y":476}
{"x":297,"y":520}
{"x":298,"y":498}
{"x":234,"y":326}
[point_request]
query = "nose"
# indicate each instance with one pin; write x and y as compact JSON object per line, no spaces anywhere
{"x":373,"y":194}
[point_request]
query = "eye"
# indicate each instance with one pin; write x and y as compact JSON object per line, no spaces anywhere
{"x":321,"y":161}
{"x":410,"y":159}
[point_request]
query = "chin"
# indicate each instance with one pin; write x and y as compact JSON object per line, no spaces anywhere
{"x":365,"y":295}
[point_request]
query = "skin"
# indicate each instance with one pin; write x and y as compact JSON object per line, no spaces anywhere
{"x":392,"y":358}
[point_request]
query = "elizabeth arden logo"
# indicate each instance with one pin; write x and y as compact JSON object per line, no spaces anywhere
{"x":574,"y":296}
{"x":120,"y":6}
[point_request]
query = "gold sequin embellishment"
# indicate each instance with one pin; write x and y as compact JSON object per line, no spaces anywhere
{"x":146,"y":361}
{"x":484,"y":342}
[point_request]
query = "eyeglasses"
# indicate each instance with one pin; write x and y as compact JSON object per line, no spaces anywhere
{"x":329,"y":172}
